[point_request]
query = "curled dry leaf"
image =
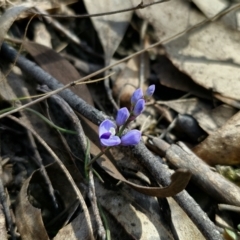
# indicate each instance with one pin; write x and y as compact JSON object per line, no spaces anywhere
{"x":179,"y":181}
{"x":222,"y":146}
{"x":9,"y":17}
{"x":28,"y":218}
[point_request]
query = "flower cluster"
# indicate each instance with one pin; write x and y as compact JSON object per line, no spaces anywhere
{"x":111,"y":134}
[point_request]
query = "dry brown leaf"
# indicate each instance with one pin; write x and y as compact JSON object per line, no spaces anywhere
{"x":222,"y":146}
{"x":215,"y":118}
{"x":58,"y":67}
{"x":208,"y":54}
{"x":127,"y":82}
{"x":137,"y":223}
{"x":76,"y":229}
{"x":60,"y":183}
{"x":215,"y":7}
{"x":179,"y":181}
{"x":28,"y":218}
{"x":42,"y":35}
{"x":211,"y":69}
{"x":183,"y":225}
{"x":6,"y":92}
{"x":110,"y":28}
{"x":211,"y":9}
{"x":208,"y":119}
{"x":231,"y":102}
{"x":186,"y":106}
{"x":171,"y":77}
{"x":169,"y":18}
{"x":9,"y":17}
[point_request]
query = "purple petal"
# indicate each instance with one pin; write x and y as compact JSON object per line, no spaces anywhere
{"x":122,"y":116}
{"x":150,"y":91}
{"x":138,"y":94}
{"x":105,"y":126}
{"x":139,"y":107}
{"x":112,"y":141}
{"x":105,"y":135}
{"x":133,"y":137}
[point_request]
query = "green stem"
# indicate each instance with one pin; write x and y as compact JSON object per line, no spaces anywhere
{"x":86,"y":161}
{"x":97,"y":175}
{"x":105,"y":223}
{"x":97,"y":156}
{"x":49,"y":122}
{"x":42,"y":117}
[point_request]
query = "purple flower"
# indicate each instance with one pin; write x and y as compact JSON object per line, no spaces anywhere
{"x":107,"y":131}
{"x":150,"y":91}
{"x":122,"y":116}
{"x":139,"y":107}
{"x":132,"y":137}
{"x":138,"y":94}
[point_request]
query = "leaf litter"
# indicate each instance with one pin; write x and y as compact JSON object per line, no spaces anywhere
{"x":195,"y":75}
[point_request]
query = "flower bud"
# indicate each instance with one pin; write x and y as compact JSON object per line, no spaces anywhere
{"x":132,"y":137}
{"x":138,"y":94}
{"x":139,"y":107}
{"x":122,"y":116}
{"x":150,"y":91}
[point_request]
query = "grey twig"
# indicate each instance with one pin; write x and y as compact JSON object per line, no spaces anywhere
{"x":35,"y":156}
{"x":92,"y":197}
{"x":188,"y":204}
{"x":109,"y":91}
{"x":141,"y":5}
